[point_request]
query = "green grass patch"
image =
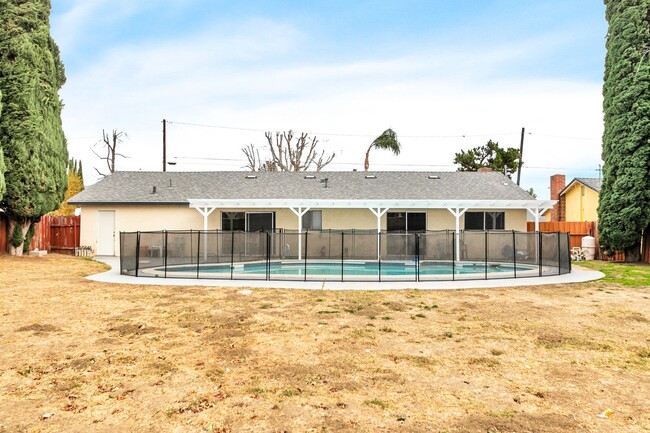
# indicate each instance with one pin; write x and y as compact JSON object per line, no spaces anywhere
{"x":631,"y":275}
{"x":377,"y":403}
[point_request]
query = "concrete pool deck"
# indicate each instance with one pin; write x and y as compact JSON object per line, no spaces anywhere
{"x":577,"y":275}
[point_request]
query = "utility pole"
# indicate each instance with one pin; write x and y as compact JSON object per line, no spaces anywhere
{"x":164,"y":122}
{"x":521,"y":153}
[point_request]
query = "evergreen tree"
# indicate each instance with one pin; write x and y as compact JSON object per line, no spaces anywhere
{"x":75,"y":186}
{"x":80,"y":173}
{"x":31,"y":135}
{"x":3,"y":188}
{"x":624,"y":203}
{"x":489,"y":156}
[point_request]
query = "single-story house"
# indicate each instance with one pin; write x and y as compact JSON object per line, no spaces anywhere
{"x":252,"y":201}
{"x":577,"y":201}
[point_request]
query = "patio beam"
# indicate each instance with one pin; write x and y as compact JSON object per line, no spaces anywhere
{"x":457,"y":213}
{"x":205,"y":211}
{"x":378,"y":212}
{"x":300,"y":212}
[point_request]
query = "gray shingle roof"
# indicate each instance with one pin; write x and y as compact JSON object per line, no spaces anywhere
{"x":178,"y":187}
{"x":591,"y":182}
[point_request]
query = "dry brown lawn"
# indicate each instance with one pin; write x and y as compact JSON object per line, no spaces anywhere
{"x":94,"y":357}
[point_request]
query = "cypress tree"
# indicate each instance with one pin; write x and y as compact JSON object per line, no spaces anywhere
{"x":624,"y":204}
{"x":3,"y":188}
{"x":31,"y":134}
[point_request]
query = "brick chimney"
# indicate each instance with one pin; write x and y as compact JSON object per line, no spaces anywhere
{"x":558,"y":182}
{"x":484,"y":170}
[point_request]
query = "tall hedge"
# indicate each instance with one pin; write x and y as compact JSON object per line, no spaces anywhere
{"x":31,"y":134}
{"x":3,"y":187}
{"x":624,"y":208}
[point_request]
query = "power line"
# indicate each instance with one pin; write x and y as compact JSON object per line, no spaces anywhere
{"x":336,"y":134}
{"x":565,"y":137}
{"x":215,"y":161}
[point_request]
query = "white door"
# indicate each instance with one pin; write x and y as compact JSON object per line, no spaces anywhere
{"x":106,"y":233}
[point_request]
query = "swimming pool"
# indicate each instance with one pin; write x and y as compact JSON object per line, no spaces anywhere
{"x":348,"y":270}
{"x":343,"y":256}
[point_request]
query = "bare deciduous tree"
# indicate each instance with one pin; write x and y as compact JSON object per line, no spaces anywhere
{"x":288,"y":154}
{"x":109,"y":147}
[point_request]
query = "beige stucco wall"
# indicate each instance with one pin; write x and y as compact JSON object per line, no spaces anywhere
{"x":152,"y":218}
{"x":581,"y":203}
{"x":138,"y":218}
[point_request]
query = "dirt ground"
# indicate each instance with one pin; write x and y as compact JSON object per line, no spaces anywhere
{"x":80,"y":356}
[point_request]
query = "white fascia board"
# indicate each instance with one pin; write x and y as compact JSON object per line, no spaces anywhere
{"x":364,"y":204}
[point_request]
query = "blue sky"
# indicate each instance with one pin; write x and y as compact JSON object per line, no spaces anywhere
{"x":446,"y":75}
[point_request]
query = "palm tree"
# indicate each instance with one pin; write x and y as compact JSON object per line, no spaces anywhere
{"x":387,"y":141}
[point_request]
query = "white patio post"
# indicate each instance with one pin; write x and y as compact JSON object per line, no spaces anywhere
{"x":299,"y":213}
{"x":536,"y":213}
{"x":206,"y":213}
{"x":457,"y":213}
{"x":378,"y":213}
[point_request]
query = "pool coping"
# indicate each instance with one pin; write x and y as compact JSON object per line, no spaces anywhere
{"x":577,"y":275}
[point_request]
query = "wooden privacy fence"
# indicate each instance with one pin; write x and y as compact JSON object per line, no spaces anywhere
{"x":3,"y":232}
{"x":577,"y":230}
{"x":56,"y":234}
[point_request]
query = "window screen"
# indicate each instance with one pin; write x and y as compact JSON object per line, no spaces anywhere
{"x":484,"y":220}
{"x":474,"y":221}
{"x":494,"y":220}
{"x":312,"y":220}
{"x":233,"y":221}
{"x":406,"y":221}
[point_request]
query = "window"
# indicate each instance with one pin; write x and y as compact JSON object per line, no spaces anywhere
{"x":312,"y":220}
{"x":406,"y":221}
{"x":260,"y":221}
{"x":233,"y":221}
{"x":484,"y":220}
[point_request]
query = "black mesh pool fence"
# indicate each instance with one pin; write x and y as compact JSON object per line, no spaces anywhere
{"x":344,"y":255}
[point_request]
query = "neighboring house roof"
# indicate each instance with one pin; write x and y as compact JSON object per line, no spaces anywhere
{"x":179,"y":187}
{"x":590,"y":182}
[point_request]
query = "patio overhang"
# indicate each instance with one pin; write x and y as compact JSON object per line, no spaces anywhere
{"x":372,"y":204}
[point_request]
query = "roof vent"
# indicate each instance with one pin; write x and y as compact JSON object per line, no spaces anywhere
{"x":433,"y":176}
{"x":324,"y":180}
{"x":251,"y":176}
{"x":371,"y":176}
{"x":310,"y":176}
{"x":153,"y":189}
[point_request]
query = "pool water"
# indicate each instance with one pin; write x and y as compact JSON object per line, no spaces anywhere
{"x":347,"y":268}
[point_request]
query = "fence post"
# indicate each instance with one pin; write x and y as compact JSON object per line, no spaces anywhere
{"x":453,"y":256}
{"x":198,"y":254}
{"x":486,"y":255}
{"x":568,"y":240}
{"x":342,"y":253}
{"x":268,"y":256}
{"x":559,"y":255}
{"x":514,"y":252}
{"x":417,"y":256}
{"x":165,"y":235}
{"x":379,"y":255}
{"x":232,"y":253}
{"x":539,"y":256}
{"x":306,"y":240}
{"x":137,"y":253}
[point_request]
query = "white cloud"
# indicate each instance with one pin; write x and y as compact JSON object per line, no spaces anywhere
{"x":251,"y":76}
